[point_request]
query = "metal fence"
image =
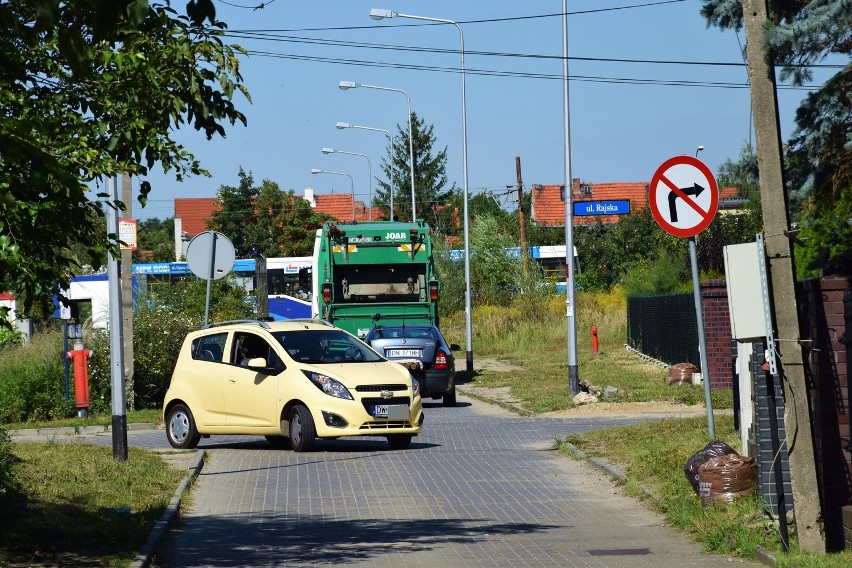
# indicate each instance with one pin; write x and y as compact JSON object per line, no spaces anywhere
{"x":663,"y":326}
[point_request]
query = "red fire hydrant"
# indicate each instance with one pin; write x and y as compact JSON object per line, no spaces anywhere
{"x":595,"y":339}
{"x":81,"y":356}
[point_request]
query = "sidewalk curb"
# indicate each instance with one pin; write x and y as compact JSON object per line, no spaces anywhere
{"x":167,"y":519}
{"x":77,"y":430}
{"x":504,"y":405}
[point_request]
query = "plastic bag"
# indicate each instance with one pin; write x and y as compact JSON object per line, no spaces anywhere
{"x":681,"y":374}
{"x":714,"y":449}
{"x":723,"y":479}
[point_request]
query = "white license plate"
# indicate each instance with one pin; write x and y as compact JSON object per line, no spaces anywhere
{"x":391,"y":411}
{"x":403,"y":353}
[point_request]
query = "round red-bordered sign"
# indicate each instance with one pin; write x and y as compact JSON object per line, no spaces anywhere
{"x":683,"y":196}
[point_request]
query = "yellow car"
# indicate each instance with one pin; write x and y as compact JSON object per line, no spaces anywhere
{"x":290,"y":381}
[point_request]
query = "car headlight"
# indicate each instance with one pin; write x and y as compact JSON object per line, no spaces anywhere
{"x":329,"y":386}
{"x":415,"y":386}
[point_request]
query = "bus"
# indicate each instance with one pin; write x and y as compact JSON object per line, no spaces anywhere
{"x":288,"y":281}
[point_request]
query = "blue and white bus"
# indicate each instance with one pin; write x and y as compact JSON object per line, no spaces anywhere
{"x":288,"y":282}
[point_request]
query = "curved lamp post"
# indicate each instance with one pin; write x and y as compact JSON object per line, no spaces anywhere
{"x":346,"y":85}
{"x":369,"y":170}
{"x":380,"y":14}
{"x":351,"y":183}
{"x":344,"y":125}
{"x":698,"y":150}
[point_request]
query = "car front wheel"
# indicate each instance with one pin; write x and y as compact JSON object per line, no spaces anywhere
{"x":302,"y":431}
{"x":180,"y":428}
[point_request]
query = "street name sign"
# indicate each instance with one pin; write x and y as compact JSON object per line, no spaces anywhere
{"x":683,"y":196}
{"x":619,"y":207}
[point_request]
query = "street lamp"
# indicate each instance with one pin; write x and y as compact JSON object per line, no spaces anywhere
{"x":570,"y":292}
{"x":369,"y":170}
{"x":351,"y":183}
{"x":344,"y":125}
{"x":346,"y":85}
{"x":379,"y":14}
{"x":698,"y":150}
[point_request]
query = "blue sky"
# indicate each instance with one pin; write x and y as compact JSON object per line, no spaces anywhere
{"x":627,"y":116}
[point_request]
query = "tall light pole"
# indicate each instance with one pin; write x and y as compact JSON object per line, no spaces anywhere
{"x":344,"y":125}
{"x":379,"y":14}
{"x":345,"y":85}
{"x":571,"y":319}
{"x":369,"y":171}
{"x":351,"y":182}
{"x":698,"y":150}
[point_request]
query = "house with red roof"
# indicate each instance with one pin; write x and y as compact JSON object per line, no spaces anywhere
{"x":548,"y":201}
{"x":193,"y":213}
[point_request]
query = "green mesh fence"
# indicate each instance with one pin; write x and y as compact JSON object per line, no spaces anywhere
{"x":663,"y":326}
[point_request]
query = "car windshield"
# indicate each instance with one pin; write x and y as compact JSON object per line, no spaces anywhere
{"x":392,"y":332}
{"x":325,"y":346}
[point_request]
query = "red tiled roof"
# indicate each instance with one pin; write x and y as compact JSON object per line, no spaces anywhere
{"x":340,"y":206}
{"x":194,"y":213}
{"x":548,"y":201}
{"x":5,"y":296}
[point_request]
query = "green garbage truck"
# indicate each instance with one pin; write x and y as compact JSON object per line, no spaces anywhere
{"x":370,"y":272}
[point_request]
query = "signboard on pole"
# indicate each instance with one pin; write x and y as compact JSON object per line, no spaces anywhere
{"x":127,"y":233}
{"x":683,"y":196}
{"x":618,"y":207}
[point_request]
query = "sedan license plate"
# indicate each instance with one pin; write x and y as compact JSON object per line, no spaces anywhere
{"x":403,"y":353}
{"x":391,"y":411}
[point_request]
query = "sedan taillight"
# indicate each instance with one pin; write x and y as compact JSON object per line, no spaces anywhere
{"x":440,"y":360}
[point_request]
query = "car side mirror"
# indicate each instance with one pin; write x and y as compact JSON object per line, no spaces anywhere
{"x":258,"y":363}
{"x":455,"y":347}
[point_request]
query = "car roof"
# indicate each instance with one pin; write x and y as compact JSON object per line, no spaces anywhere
{"x":258,"y":325}
{"x":405,"y":325}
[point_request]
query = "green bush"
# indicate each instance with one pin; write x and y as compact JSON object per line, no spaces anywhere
{"x":158,"y":334}
{"x":32,"y":380}
{"x":10,"y":337}
{"x":7,"y":461}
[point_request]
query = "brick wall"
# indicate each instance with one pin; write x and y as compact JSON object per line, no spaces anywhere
{"x":823,"y":328}
{"x":717,"y":333}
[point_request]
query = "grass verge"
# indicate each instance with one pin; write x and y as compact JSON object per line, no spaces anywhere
{"x":652,"y":456}
{"x":149,"y":416}
{"x":74,"y":505}
{"x":533,"y":342}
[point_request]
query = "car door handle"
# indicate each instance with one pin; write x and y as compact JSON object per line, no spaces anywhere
{"x":233,"y":380}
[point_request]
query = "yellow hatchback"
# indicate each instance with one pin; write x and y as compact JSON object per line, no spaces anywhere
{"x":291,"y":381}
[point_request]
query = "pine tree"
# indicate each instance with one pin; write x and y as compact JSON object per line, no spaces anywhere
{"x":818,"y":159}
{"x":429,"y":178}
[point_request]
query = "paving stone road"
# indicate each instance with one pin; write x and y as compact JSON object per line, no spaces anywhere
{"x":480,"y":487}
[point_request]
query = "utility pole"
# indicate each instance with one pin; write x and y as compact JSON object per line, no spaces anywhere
{"x":781,"y":268}
{"x":127,"y":292}
{"x":522,"y":219}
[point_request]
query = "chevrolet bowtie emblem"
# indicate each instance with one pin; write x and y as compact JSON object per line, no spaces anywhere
{"x":387,"y":394}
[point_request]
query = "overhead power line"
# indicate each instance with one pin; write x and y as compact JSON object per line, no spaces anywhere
{"x":467,"y":22}
{"x":516,"y":74}
{"x":268,"y":36}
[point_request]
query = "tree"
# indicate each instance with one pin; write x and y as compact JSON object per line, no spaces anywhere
{"x":236,"y":218}
{"x":430,"y":178}
{"x":90,"y":89}
{"x":265,"y":219}
{"x":157,"y":237}
{"x":818,"y":157}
